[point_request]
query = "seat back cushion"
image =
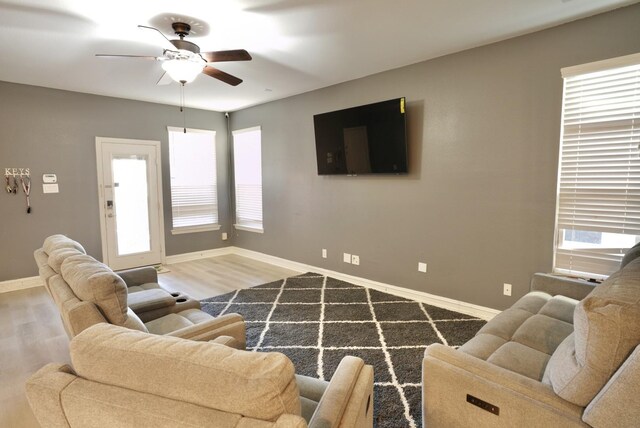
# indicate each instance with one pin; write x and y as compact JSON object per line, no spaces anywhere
{"x":259,"y":385}
{"x":57,"y":256}
{"x":54,"y":242}
{"x":631,"y":254}
{"x":606,"y":330}
{"x":95,"y":282}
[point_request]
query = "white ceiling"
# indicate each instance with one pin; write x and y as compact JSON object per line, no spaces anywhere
{"x":297,"y":45}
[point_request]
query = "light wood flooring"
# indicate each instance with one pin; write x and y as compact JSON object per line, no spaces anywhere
{"x":31,"y":333}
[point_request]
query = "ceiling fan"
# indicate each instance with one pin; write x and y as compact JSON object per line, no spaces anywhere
{"x":182,"y":60}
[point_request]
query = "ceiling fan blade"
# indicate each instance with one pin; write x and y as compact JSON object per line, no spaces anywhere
{"x":221,"y":75}
{"x":165,"y":42}
{"x":220,"y":56}
{"x":165,"y":79}
{"x":128,"y":56}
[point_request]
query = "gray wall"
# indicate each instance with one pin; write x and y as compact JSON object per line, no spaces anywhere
{"x":54,"y":131}
{"x":478,"y":205}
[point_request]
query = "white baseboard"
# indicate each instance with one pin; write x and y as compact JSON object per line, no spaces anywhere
{"x":20,"y":284}
{"x":35,"y":281}
{"x":187,"y":257}
{"x":420,"y":296}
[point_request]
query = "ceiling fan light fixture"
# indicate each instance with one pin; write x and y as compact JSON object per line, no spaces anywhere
{"x":184,"y":70}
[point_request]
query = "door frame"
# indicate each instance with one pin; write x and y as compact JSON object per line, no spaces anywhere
{"x":101,"y":202}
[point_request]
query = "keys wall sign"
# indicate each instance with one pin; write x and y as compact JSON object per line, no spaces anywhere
{"x":16,"y":178}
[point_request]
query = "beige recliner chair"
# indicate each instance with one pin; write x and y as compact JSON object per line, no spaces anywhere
{"x":88,"y":292}
{"x":127,"y":378}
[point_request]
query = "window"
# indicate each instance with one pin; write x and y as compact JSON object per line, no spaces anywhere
{"x":598,"y":214}
{"x":194,"y":195}
{"x":247,"y":169}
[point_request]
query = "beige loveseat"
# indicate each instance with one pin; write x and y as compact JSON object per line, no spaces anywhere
{"x":88,"y":292}
{"x":126,"y":378}
{"x":566,"y":354}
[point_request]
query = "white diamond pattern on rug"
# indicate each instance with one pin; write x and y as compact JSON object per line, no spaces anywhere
{"x":316,"y":320}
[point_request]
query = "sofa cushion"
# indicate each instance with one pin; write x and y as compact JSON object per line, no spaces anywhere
{"x":606,"y":330}
{"x":260,"y":385}
{"x":57,"y":256}
{"x":54,"y":242}
{"x":311,"y":392}
{"x":167,"y":324}
{"x":172,"y":322}
{"x":133,"y":322}
{"x":521,"y":359}
{"x":542,"y":333}
{"x":523,"y":337}
{"x":95,"y":282}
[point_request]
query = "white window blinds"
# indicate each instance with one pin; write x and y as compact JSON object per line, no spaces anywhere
{"x":194,"y":198}
{"x":598,"y":214}
{"x":247,"y":168}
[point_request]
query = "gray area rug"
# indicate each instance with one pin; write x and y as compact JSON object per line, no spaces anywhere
{"x":316,"y":320}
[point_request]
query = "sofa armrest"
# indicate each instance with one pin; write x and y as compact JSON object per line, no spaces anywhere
{"x":450,"y":377}
{"x":229,"y":341}
{"x":554,"y":285}
{"x":348,"y":399}
{"x":138,"y":276}
{"x":616,"y":405}
{"x":149,"y":300}
{"x":225,"y":325}
{"x":80,"y":316}
{"x":43,"y":393}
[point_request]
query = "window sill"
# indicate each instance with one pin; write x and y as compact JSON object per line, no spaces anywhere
{"x":249,"y":228}
{"x":195,"y":229}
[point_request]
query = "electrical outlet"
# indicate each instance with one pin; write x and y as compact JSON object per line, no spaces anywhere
{"x":224,"y":236}
{"x":422,"y":267}
{"x":346,"y":257}
{"x":324,"y":253}
{"x":507,"y":289}
{"x":355,"y":260}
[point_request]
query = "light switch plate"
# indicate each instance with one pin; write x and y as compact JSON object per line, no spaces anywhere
{"x":50,"y":188}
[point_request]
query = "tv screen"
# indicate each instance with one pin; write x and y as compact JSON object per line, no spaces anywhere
{"x":369,"y":139}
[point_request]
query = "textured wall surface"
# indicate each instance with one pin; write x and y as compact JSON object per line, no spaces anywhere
{"x":479,"y":203}
{"x":52,"y":131}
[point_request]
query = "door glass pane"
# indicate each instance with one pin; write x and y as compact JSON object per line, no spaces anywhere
{"x":131,"y":204}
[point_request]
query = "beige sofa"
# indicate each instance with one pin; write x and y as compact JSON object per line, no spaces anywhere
{"x":146,"y":297}
{"x":566,"y":354}
{"x":126,"y":378}
{"x":88,"y":292}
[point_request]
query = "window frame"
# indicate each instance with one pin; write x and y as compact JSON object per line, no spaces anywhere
{"x":607,"y":258}
{"x":237,"y":225}
{"x":203,"y":227}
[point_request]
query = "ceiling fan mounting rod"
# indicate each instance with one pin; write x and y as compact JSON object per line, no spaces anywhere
{"x":182,"y":29}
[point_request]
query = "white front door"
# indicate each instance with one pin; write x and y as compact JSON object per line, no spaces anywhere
{"x":130,"y":189}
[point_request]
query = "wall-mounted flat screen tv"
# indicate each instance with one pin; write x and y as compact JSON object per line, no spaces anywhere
{"x":369,"y":139}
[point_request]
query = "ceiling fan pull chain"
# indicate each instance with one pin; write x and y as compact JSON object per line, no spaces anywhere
{"x":182,"y":109}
